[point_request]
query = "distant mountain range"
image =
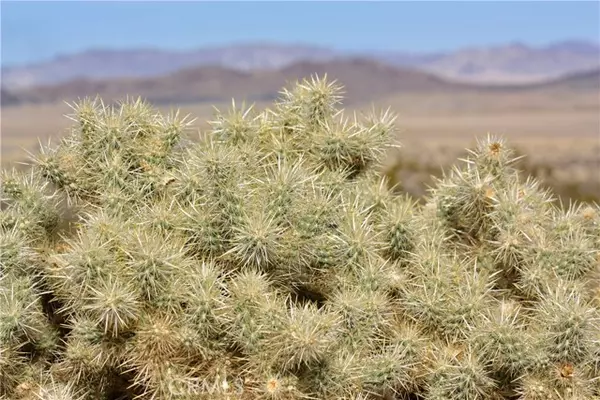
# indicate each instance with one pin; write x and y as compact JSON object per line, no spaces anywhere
{"x":364,"y":80}
{"x":361,"y":78}
{"x":513,"y":63}
{"x":8,"y":99}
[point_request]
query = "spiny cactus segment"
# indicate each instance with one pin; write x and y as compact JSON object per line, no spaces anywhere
{"x":270,"y":260}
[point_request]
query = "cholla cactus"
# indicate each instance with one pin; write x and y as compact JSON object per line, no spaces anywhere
{"x":270,"y":260}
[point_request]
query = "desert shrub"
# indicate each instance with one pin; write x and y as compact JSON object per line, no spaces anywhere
{"x":271,"y":261}
{"x":570,"y":174}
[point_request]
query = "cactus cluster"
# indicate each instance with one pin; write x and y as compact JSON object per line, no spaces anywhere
{"x":270,"y":260}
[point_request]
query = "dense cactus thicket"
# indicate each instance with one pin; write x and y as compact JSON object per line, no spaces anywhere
{"x":270,"y":260}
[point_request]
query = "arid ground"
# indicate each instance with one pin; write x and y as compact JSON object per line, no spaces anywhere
{"x":556,"y":126}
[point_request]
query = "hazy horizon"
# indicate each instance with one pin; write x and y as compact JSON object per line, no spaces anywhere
{"x":293,"y":43}
{"x":34,"y":32}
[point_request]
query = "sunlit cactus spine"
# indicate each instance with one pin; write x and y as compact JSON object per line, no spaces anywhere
{"x":270,"y":259}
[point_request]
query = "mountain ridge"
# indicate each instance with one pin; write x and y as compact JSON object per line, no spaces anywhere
{"x":363,"y":80}
{"x":359,"y":76}
{"x":501,"y":64}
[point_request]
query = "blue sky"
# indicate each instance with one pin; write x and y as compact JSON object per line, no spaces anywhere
{"x":34,"y":31}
